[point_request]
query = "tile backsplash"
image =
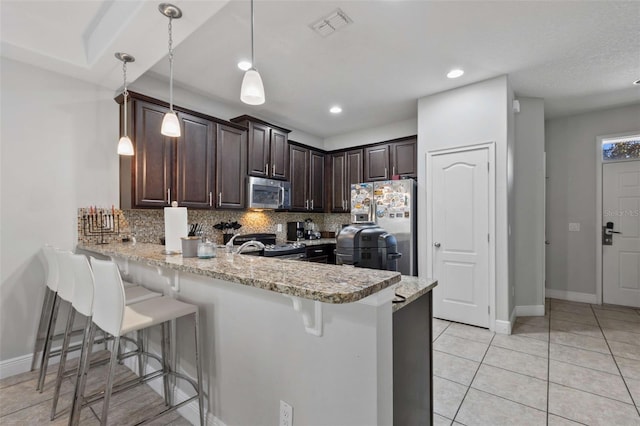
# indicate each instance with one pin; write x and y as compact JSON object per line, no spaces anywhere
{"x":148,"y":225}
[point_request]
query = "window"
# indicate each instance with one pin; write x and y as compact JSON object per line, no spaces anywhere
{"x":619,"y":149}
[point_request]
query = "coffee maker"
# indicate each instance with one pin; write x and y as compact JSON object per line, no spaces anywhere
{"x":295,"y":231}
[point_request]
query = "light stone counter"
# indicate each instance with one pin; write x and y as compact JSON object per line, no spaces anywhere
{"x":317,"y":242}
{"x":313,"y":281}
{"x":412,"y":288}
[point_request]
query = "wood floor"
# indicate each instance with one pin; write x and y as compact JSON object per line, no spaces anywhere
{"x":21,"y":404}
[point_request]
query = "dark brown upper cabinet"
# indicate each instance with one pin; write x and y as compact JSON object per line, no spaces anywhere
{"x":307,"y":179}
{"x":383,"y":161}
{"x":268,"y":151}
{"x":204,"y":168}
{"x":346,"y":169}
{"x":231,"y":171}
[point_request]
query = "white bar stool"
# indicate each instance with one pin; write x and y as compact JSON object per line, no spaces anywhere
{"x":51,"y":290}
{"x":113,"y":316}
{"x":64,"y":280}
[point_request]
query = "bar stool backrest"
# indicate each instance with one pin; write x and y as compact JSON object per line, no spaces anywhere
{"x":66,"y":278}
{"x":83,"y":292}
{"x":52,"y":267}
{"x":109,"y":301}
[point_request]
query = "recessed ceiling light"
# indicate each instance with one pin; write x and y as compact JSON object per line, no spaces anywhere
{"x":455,"y":73}
{"x":335,"y":110}
{"x":637,"y":82}
{"x":244,"y":65}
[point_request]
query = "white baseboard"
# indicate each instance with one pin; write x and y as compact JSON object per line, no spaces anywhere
{"x":530,"y":311}
{"x":505,"y":327}
{"x":13,"y":366}
{"x":572,"y":296}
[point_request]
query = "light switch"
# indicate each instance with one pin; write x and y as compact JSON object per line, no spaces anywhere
{"x":574,"y":227}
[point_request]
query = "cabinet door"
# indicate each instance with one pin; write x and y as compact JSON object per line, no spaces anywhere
{"x":316,"y":181}
{"x":353,"y":173}
{"x":337,"y":191}
{"x":195,"y":162}
{"x":258,"y":160}
{"x":279,"y":159}
{"x":404,"y":158}
{"x":376,"y":163}
{"x":231,"y":151}
{"x":154,"y":158}
{"x":299,"y":172}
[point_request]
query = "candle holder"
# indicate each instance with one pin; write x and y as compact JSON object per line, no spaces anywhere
{"x":100,"y":222}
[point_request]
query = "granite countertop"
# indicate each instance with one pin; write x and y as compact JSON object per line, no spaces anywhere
{"x":412,"y":288}
{"x":317,"y":242}
{"x":314,"y":281}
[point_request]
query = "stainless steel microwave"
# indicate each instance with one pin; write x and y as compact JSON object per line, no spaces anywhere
{"x":268,"y":193}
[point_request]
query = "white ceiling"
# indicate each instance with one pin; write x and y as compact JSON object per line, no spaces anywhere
{"x":577,"y":55}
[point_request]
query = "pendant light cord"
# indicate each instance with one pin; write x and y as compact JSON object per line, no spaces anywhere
{"x":125,"y":93}
{"x":170,"y":64}
{"x":253,"y":64}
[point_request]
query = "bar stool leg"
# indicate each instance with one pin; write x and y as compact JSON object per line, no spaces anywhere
{"x":199,"y":368}
{"x":141,"y":357}
{"x":83,"y":369}
{"x":63,"y":360}
{"x":165,"y":362}
{"x":45,"y":314}
{"x":47,"y":344}
{"x":113,"y":362}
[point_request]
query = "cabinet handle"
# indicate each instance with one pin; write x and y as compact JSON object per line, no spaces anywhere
{"x":311,"y":204}
{"x":393,"y":170}
{"x":306,"y":204}
{"x":169,"y":196}
{"x":273,"y":169}
{"x":220,"y":199}
{"x":385,"y":173}
{"x":210,"y":199}
{"x":266,"y":169}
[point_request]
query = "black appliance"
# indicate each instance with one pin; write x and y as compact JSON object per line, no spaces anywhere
{"x":295,"y":231}
{"x":367,"y":246}
{"x":282,"y":251}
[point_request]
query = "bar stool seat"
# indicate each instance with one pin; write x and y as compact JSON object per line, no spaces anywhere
{"x":153,"y":312}
{"x":137,"y":293}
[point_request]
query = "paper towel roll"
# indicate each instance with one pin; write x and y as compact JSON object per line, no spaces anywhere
{"x":175,"y":227}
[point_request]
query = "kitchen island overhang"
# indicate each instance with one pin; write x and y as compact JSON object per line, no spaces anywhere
{"x":316,"y":336}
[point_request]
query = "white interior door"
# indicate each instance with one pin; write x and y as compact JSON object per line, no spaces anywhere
{"x":621,"y":206}
{"x":460,"y":232}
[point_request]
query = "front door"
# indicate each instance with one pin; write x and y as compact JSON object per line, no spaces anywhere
{"x":621,"y":207}
{"x":460,"y":230}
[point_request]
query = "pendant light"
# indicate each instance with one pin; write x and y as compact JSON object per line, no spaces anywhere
{"x":170,"y":123}
{"x":252,"y":90}
{"x":125,"y":147}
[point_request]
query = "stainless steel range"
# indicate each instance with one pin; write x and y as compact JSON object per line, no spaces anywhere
{"x":293,"y":250}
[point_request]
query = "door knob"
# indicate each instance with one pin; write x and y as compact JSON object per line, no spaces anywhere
{"x":436,"y":245}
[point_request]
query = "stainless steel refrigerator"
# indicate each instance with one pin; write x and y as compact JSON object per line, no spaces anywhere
{"x":392,"y":205}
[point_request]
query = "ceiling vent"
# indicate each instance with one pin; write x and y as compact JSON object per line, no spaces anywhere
{"x":331,"y":23}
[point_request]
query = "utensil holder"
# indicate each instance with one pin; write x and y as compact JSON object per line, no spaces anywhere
{"x":190,"y":246}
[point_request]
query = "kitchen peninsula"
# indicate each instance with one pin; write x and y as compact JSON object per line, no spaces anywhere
{"x":316,"y":336}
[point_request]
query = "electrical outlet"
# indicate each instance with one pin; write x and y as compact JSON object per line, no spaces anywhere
{"x":279,"y":227}
{"x":574,"y":227}
{"x":286,"y":414}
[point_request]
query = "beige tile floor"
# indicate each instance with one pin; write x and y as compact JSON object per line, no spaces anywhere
{"x":579,"y":364}
{"x":21,"y":404}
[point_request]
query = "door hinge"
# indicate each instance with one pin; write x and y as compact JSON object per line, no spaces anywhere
{"x":488,"y":167}
{"x":488,"y":238}
{"x":489,"y":310}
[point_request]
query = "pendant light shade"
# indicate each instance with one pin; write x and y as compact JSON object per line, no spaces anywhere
{"x":125,"y":146}
{"x":252,"y":89}
{"x":170,"y":124}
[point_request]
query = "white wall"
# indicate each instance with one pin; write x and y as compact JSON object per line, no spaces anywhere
{"x":529,"y":203}
{"x":571,"y":193}
{"x":470,"y":115}
{"x":156,"y":88}
{"x":372,"y":135}
{"x":58,"y":152}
